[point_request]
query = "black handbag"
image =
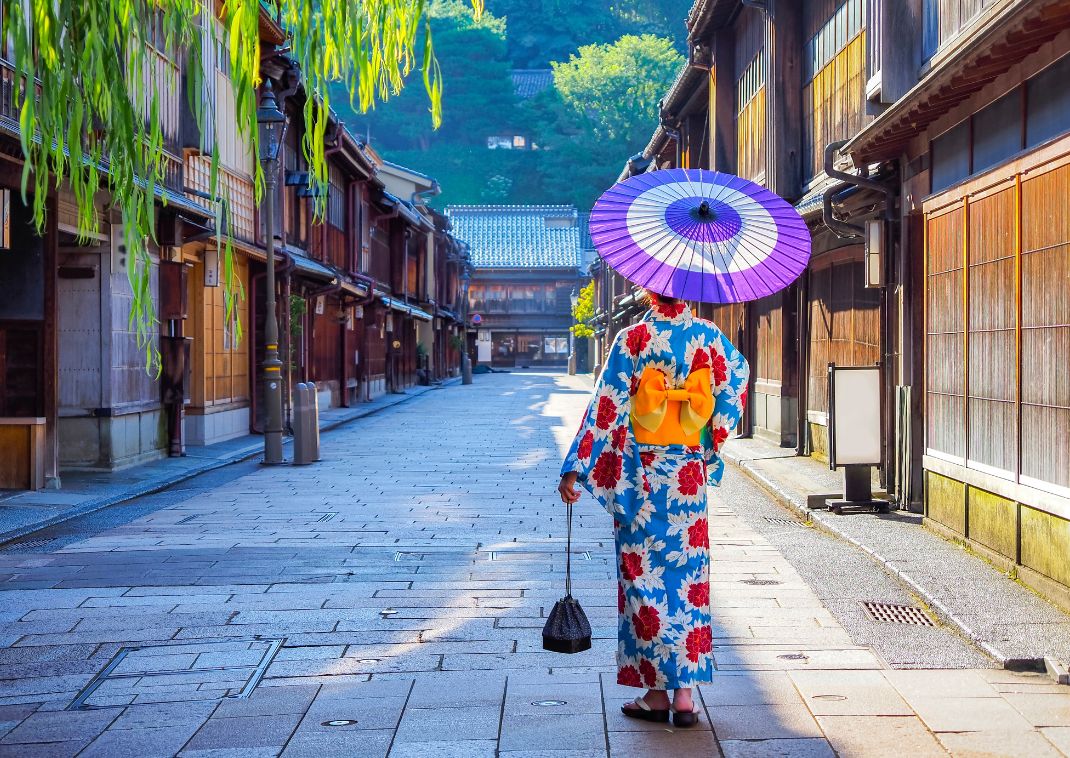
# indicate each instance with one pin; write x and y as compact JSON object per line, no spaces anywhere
{"x":567,"y":629}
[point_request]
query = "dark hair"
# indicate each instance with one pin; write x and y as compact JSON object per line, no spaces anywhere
{"x":653,"y":298}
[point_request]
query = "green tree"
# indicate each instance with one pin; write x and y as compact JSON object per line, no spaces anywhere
{"x":583,"y":311}
{"x":541,"y":31}
{"x":479,"y":99}
{"x":602,"y":109}
{"x":95,"y":121}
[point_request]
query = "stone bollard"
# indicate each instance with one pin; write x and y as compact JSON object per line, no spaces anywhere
{"x":301,"y":413}
{"x":313,"y":421}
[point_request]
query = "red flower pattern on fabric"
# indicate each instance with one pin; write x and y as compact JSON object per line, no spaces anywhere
{"x":629,"y":677}
{"x":633,"y":384}
{"x":647,"y":457}
{"x":720,"y":369}
{"x":670,"y":310}
{"x":620,"y":598}
{"x":690,"y":478}
{"x":637,"y":340}
{"x":607,"y":412}
{"x":607,"y":470}
{"x":699,"y":641}
{"x":620,"y":435}
{"x":720,"y":434}
{"x":649,"y":673}
{"x":701,"y":359}
{"x":698,"y":594}
{"x":583,"y":452}
{"x":698,"y":534}
{"x":631,"y":565}
{"x":646,"y":622}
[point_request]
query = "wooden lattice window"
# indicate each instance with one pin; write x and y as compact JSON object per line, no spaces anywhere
{"x":945,"y":381}
{"x":835,"y":79}
{"x":1045,"y":376}
{"x":991,"y":424}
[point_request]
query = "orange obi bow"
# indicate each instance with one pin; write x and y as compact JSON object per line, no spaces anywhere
{"x":651,"y":405}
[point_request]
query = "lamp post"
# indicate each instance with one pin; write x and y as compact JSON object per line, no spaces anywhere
{"x":466,"y":359}
{"x":574,"y":298}
{"x":271,"y":123}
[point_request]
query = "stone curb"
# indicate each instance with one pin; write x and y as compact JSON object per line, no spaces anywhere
{"x":790,"y":501}
{"x":211,"y":464}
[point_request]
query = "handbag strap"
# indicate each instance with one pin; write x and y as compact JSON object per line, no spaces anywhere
{"x":568,"y":553}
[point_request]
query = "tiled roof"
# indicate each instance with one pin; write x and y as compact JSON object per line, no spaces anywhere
{"x":519,"y":236}
{"x":528,"y":82}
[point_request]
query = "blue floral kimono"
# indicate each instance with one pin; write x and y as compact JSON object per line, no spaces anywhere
{"x":657,"y":493}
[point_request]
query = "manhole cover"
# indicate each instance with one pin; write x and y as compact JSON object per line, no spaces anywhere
{"x":388,"y":612}
{"x":549,"y":702}
{"x":793,"y":657}
{"x":339,"y":722}
{"x":179,"y":672}
{"x":759,"y":582}
{"x":783,"y":521}
{"x":829,"y":698}
{"x":892,"y":613}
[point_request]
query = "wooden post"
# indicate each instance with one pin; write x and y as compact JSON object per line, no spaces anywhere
{"x":784,"y":98}
{"x":51,"y":345}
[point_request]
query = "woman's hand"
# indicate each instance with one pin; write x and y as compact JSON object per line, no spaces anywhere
{"x":567,"y":489}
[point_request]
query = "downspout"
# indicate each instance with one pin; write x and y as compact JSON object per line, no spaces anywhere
{"x":855,"y":231}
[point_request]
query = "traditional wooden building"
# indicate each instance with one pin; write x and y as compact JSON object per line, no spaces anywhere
{"x":922,"y":141}
{"x":526,"y":266}
{"x":74,"y":390}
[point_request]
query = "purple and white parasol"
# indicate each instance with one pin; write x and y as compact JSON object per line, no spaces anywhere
{"x":700,"y":235}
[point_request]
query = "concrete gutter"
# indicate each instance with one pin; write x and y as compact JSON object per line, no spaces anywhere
{"x":826,"y":522}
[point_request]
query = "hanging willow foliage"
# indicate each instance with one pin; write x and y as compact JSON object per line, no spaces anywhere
{"x":95,"y":122}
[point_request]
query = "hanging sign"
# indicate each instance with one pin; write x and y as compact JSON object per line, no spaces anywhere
{"x":854,"y":415}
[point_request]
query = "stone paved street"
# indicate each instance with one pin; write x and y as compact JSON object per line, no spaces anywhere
{"x":389,"y":601}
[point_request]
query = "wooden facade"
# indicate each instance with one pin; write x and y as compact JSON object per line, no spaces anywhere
{"x":954,"y":116}
{"x":74,"y":392}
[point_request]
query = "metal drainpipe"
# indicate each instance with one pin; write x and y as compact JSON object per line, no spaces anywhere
{"x":855,"y":231}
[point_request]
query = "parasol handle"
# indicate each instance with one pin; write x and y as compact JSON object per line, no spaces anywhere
{"x":704,"y":209}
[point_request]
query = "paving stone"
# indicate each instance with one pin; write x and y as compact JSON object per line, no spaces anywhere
{"x":880,"y":735}
{"x":446,"y":749}
{"x":339,"y":742}
{"x":806,"y":747}
{"x":1006,"y":744}
{"x":581,"y":731}
{"x":849,"y":693}
{"x":163,"y":741}
{"x":439,"y":724}
{"x":774,"y":721}
{"x":969,"y":714}
{"x":244,"y":732}
{"x":665,"y":741}
{"x":61,"y":727}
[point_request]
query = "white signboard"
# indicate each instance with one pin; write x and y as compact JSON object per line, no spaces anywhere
{"x":854,"y":415}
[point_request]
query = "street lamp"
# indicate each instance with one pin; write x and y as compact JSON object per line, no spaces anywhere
{"x":271,"y":123}
{"x":466,"y":360}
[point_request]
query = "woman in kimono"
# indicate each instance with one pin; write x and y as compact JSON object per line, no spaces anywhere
{"x":671,"y":391}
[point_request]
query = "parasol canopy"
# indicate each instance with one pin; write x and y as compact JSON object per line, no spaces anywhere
{"x":700,"y":235}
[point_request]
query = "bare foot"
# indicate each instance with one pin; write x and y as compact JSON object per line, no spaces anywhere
{"x":682,"y":702}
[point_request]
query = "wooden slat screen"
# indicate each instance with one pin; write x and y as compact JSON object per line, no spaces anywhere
{"x":770,"y":313}
{"x":1010,"y":409}
{"x":944,"y":346}
{"x":991,"y":323}
{"x":844,"y":325}
{"x":1046,"y":328}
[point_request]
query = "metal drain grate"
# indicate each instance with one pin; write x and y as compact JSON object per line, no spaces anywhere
{"x":891,"y":613}
{"x":26,"y":545}
{"x":186,"y":520}
{"x":323,"y":519}
{"x":783,"y":521}
{"x":505,"y":555}
{"x":759,"y":582}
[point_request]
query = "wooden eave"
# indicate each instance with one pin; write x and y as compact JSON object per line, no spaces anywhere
{"x":682,"y":91}
{"x":708,"y":15}
{"x":270,"y":30}
{"x":992,"y":50}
